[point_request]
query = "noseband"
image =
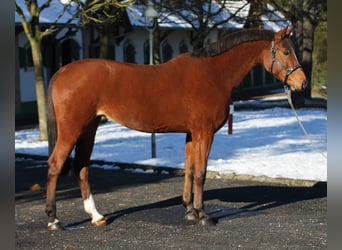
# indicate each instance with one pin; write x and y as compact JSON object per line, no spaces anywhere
{"x":289,"y":71}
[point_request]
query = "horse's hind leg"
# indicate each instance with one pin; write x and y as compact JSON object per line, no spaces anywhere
{"x":84,"y":147}
{"x":62,"y":149}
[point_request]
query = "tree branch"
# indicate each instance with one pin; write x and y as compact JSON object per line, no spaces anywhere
{"x":99,"y":11}
{"x":26,"y":25}
{"x":55,"y":28}
{"x":44,"y":6}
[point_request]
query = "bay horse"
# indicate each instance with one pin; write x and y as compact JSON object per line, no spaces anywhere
{"x":189,"y":94}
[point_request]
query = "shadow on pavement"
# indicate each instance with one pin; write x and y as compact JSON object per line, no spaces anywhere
{"x":259,"y":199}
{"x":219,"y":202}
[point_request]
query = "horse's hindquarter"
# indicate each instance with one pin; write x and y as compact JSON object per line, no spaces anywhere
{"x":75,"y":91}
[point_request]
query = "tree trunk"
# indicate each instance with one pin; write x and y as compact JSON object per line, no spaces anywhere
{"x":104,"y":38}
{"x":304,"y":46}
{"x":40,"y":87}
{"x":308,"y":43}
{"x":253,"y":18}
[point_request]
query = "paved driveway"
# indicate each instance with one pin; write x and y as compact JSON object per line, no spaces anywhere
{"x":144,"y":211}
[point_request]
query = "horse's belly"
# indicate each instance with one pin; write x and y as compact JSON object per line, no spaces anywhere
{"x":148,"y":121}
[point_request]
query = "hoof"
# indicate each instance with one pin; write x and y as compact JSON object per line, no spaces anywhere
{"x":55,"y":225}
{"x":100,"y":223}
{"x":206,"y":221}
{"x":191,"y":216}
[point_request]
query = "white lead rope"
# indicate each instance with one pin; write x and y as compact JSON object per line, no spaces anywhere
{"x":288,"y":92}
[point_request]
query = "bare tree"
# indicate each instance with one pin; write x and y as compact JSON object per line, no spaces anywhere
{"x":35,"y":34}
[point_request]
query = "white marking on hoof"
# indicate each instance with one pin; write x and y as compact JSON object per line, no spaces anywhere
{"x":55,"y":225}
{"x":90,"y":208}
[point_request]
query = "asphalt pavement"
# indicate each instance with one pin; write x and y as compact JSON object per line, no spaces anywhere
{"x":144,"y":211}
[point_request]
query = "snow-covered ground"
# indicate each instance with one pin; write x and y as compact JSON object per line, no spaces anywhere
{"x":266,"y":142}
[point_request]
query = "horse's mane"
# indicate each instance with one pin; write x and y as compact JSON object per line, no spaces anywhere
{"x":233,"y":39}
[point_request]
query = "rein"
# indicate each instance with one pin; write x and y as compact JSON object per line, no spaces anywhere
{"x":289,"y":71}
{"x":288,"y":92}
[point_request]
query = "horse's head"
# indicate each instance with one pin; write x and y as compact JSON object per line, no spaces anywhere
{"x":282,"y":62}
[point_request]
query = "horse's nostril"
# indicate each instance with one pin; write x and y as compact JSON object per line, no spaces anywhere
{"x":304,"y":83}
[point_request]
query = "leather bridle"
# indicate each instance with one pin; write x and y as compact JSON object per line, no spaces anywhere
{"x":289,"y":71}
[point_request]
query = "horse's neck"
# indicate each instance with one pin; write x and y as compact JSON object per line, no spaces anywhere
{"x":234,"y":64}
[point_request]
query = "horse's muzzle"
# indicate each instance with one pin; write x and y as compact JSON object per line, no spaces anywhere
{"x":297,"y":87}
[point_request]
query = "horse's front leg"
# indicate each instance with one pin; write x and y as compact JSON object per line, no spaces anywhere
{"x":196,"y":156}
{"x":190,"y":213}
{"x":200,"y":152}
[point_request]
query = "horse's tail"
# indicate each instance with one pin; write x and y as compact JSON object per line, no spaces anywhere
{"x":52,"y":129}
{"x":51,"y":121}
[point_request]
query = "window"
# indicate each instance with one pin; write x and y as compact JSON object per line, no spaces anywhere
{"x":166,"y":51}
{"x":147,"y":52}
{"x":129,"y":52}
{"x":183,"y":48}
{"x":70,"y":51}
{"x":25,"y":57}
{"x":259,"y":76}
{"x":270,"y":79}
{"x":111,"y":52}
{"x":94,"y":51}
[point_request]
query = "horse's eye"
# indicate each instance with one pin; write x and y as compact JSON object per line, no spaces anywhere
{"x":286,"y":52}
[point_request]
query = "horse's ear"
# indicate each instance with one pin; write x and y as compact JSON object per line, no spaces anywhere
{"x":287,"y":32}
{"x":283,"y":33}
